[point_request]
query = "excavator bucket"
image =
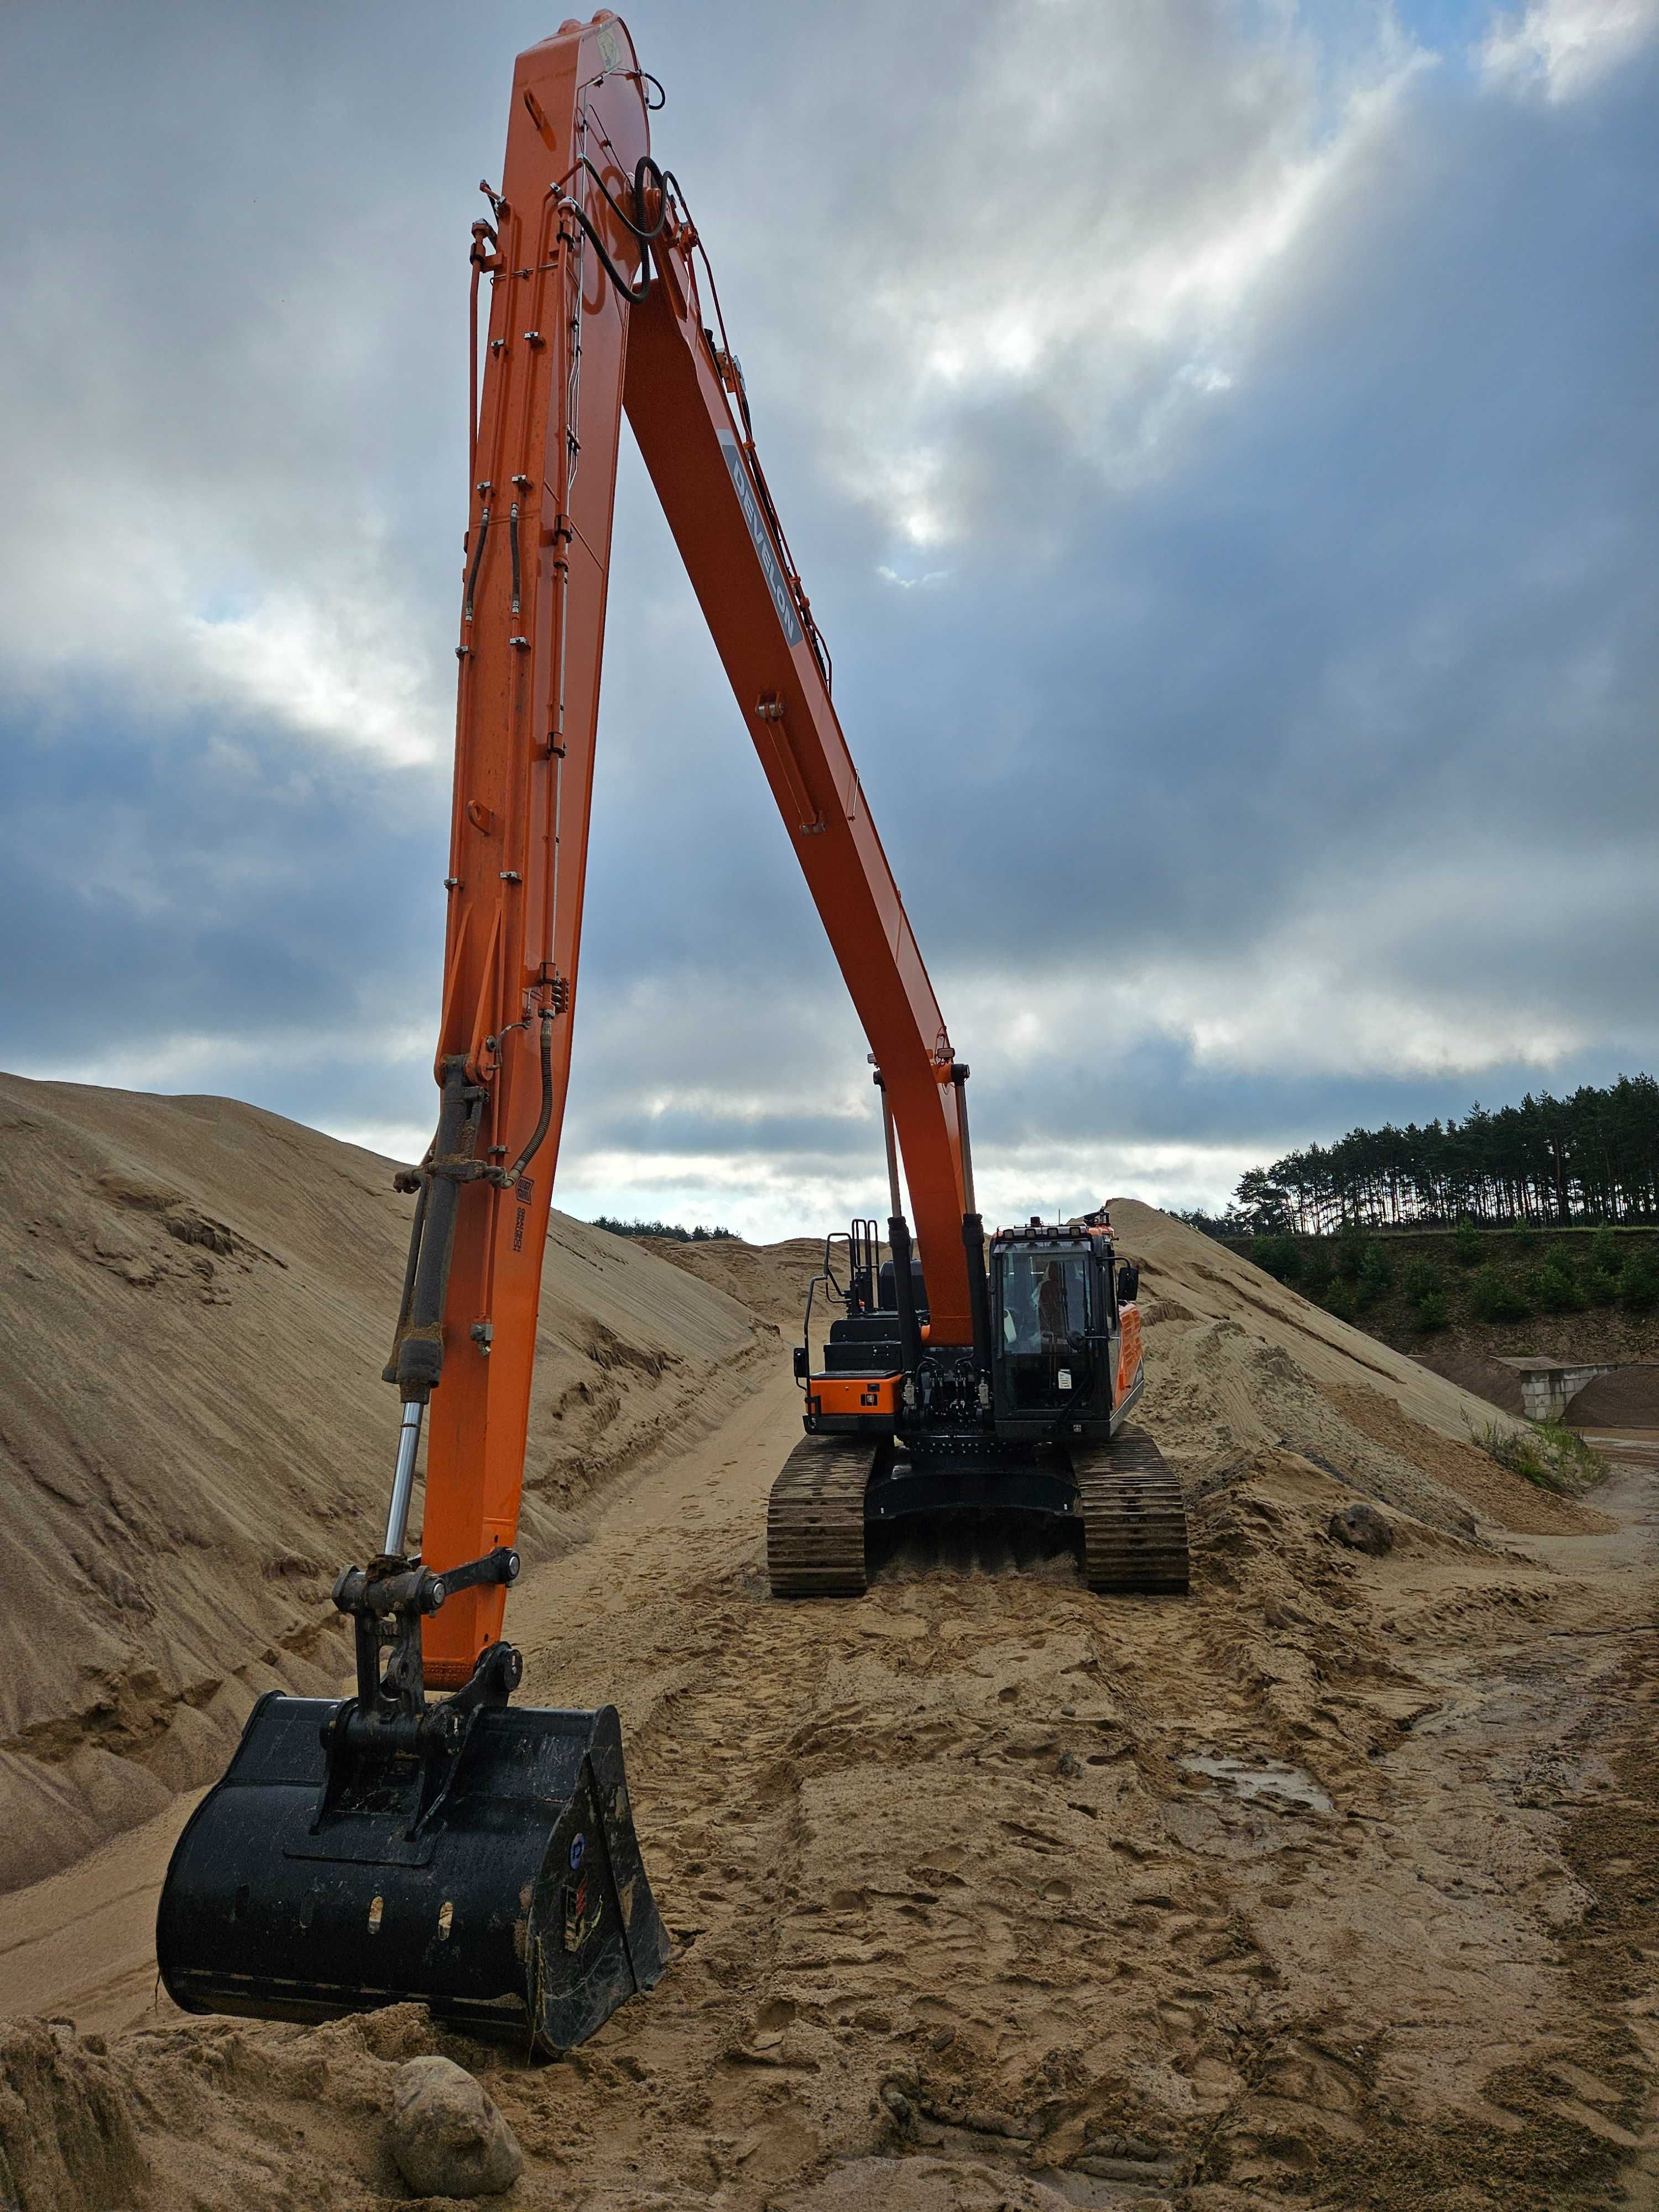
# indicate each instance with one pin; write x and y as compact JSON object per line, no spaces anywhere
{"x":491,"y":1874}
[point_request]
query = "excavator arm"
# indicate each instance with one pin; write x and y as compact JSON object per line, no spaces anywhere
{"x":472,"y":1854}
{"x":594,"y":305}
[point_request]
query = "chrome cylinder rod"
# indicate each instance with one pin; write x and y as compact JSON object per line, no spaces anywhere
{"x":894,"y":1205}
{"x":959,"y":1076}
{"x":403,"y":1483}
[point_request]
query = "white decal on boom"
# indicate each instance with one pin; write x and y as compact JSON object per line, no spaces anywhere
{"x":771,"y":567}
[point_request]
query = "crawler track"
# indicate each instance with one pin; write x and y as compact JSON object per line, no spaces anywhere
{"x":815,"y":1519}
{"x":1134,"y":1524}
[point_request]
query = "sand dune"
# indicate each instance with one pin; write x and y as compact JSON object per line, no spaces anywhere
{"x":196,"y":1301}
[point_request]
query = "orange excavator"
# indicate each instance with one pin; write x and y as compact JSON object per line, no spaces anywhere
{"x":474,"y":1855}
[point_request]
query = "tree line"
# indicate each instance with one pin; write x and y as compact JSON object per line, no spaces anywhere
{"x":1501,"y":1277}
{"x":674,"y":1230}
{"x":1588,"y":1159}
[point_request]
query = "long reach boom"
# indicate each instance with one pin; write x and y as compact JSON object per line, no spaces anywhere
{"x":476,"y":1854}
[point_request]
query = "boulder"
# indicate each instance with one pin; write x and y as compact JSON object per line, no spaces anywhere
{"x":447,"y":2135}
{"x":1362,"y":1528}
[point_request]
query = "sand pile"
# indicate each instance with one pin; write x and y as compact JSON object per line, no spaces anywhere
{"x":196,"y":1300}
{"x":1238,"y":1367}
{"x":1627,"y":1398}
{"x":1186,"y":1277}
{"x":1475,"y":1371}
{"x":1332,"y":1885}
{"x":770,"y":1280}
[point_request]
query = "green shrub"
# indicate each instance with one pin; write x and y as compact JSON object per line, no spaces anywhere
{"x":1523,"y":1238}
{"x":1639,"y":1284}
{"x":1601,"y":1287}
{"x":1543,"y":1453}
{"x":1468,"y":1245}
{"x":1339,"y":1299}
{"x":1315,"y":1272}
{"x":1279,"y":1257}
{"x":1352,"y":1244}
{"x":1494,"y":1295}
{"x":1376,"y":1276}
{"x":1431,"y":1312}
{"x":1424,"y":1280}
{"x":1554,"y":1290}
{"x":1607,"y":1251}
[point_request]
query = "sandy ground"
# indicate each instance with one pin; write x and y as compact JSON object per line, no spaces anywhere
{"x":986,"y":1891}
{"x":1333,"y":1885}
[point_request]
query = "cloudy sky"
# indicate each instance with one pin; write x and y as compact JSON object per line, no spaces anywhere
{"x":1218,"y":437}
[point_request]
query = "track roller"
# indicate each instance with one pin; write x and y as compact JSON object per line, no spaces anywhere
{"x":815,"y":1519}
{"x":1134,"y":1523}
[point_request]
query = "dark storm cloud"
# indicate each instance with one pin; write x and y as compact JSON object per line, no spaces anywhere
{"x":1375,"y":657}
{"x":205,"y":905}
{"x":1218,"y":445}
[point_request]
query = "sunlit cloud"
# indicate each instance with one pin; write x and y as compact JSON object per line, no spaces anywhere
{"x":1563,"y":48}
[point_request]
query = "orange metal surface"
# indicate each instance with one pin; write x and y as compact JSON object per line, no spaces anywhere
{"x":563,"y":349}
{"x":547,"y":437}
{"x":1128,"y":1350}
{"x":854,"y":1394}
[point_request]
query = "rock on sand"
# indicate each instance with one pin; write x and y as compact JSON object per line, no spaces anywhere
{"x":447,"y":2137}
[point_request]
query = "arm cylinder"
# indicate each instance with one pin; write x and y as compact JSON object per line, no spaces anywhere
{"x":421,"y":1348}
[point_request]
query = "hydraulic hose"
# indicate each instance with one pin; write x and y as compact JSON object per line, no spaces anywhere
{"x":646,"y":172}
{"x":505,"y":1177}
{"x":478,"y":558}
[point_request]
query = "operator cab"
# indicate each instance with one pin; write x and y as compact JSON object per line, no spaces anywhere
{"x":1058,"y":1318}
{"x":1063,"y":1334}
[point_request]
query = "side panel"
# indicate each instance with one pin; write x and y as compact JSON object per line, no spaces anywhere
{"x":1128,"y":1353}
{"x":872,"y":1395}
{"x":529,"y":689}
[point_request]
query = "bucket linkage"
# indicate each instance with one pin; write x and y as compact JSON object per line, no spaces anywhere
{"x":472,"y":1856}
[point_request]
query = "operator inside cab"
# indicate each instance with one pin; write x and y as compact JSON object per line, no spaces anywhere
{"x":1053,"y":1324}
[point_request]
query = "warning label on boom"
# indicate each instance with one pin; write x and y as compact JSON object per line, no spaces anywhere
{"x":771,"y":567}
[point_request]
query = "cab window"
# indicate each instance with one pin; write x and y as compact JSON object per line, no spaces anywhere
{"x":1045,"y":1301}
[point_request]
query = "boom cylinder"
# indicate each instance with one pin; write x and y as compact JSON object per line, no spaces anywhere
{"x":959,"y":1078}
{"x":979,"y":1291}
{"x":891,"y":1142}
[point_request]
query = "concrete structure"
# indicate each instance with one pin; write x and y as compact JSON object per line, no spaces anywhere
{"x":1548,"y":1387}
